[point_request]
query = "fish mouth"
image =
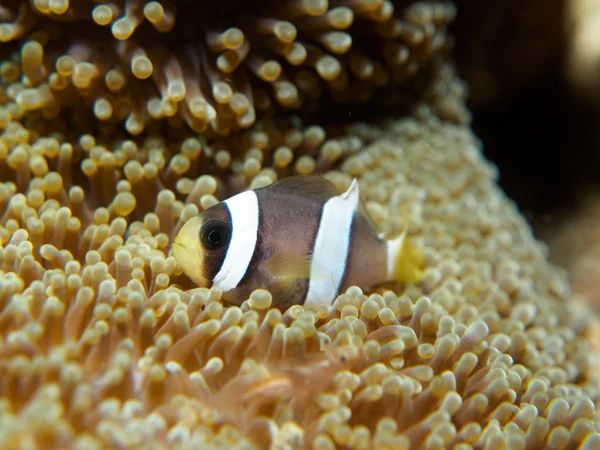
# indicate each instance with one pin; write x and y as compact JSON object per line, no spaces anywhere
{"x":189,"y":260}
{"x":180,"y":251}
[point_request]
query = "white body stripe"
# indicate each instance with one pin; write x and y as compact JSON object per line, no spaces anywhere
{"x":243,"y":209}
{"x":331,"y":247}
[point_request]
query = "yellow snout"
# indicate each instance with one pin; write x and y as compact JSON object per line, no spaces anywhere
{"x":187,"y":251}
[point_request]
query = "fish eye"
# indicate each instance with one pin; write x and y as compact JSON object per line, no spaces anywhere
{"x":214,"y":237}
{"x":214,"y":234}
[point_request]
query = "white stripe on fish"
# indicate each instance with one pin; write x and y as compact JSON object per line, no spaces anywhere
{"x":243,"y":209}
{"x":331,"y":246}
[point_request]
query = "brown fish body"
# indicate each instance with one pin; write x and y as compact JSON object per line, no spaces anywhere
{"x":299,"y":238}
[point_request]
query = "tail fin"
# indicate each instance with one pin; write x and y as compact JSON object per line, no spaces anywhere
{"x":405,"y":262}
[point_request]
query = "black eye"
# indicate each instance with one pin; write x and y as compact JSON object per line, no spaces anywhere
{"x":214,"y":234}
{"x":214,"y":237}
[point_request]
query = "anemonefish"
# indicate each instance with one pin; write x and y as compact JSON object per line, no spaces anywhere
{"x":299,"y":238}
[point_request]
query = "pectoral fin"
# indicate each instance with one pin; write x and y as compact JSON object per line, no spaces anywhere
{"x":286,"y":265}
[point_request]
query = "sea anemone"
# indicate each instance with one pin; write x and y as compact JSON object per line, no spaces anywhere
{"x":222,"y":67}
{"x":104,"y":343}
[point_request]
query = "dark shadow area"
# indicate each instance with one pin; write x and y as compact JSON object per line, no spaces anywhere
{"x":542,"y":141}
{"x":540,"y":135}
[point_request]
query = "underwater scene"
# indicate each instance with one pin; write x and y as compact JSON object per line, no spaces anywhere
{"x":299,"y":224}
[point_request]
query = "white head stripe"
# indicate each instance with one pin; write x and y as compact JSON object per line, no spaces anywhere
{"x":331,"y":247}
{"x":243,"y":209}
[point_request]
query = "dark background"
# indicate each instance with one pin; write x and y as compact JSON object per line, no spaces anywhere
{"x":542,"y":136}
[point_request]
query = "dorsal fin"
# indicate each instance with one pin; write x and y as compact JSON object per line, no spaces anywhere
{"x":353,"y":192}
{"x":362,"y":209}
{"x":312,"y":185}
{"x":322,"y":187}
{"x":362,"y":205}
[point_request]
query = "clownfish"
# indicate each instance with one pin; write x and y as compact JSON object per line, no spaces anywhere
{"x":299,"y":238}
